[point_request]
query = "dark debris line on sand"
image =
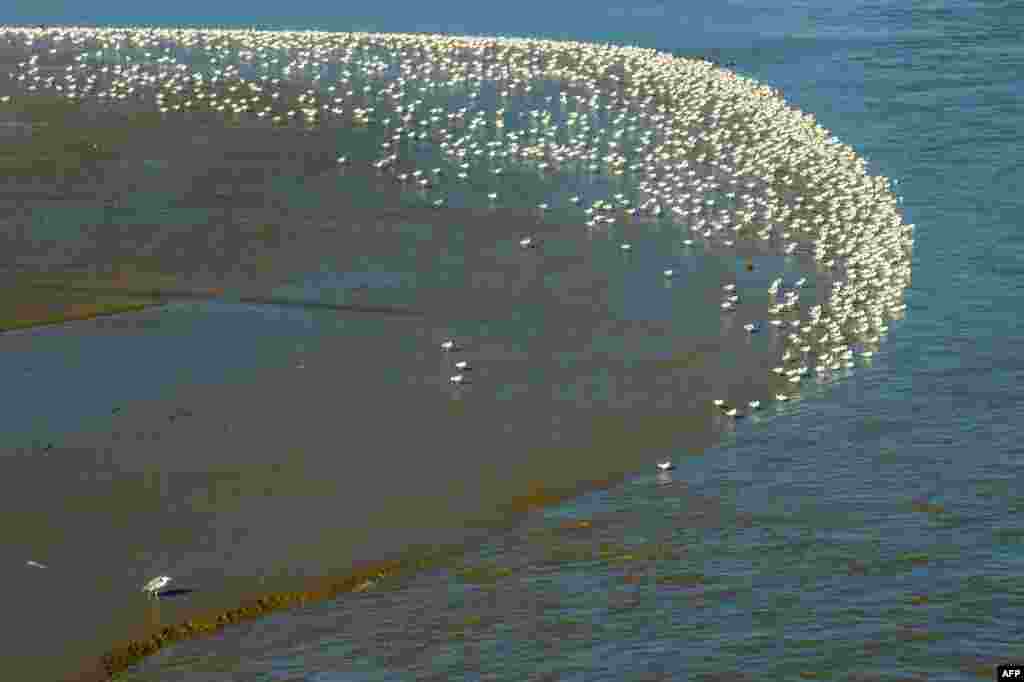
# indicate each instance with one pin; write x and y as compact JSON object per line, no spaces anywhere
{"x":167,"y":295}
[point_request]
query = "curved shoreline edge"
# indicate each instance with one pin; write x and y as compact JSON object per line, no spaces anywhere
{"x":63,"y":318}
{"x":123,"y":656}
{"x":853,"y":206}
{"x":160,"y":297}
{"x":164,"y":296}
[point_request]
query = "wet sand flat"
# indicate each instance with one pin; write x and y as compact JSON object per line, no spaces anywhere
{"x":295,"y":474}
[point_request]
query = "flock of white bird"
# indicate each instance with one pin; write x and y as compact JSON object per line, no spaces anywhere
{"x":720,"y":156}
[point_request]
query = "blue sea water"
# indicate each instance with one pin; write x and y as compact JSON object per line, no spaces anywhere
{"x":872,"y":530}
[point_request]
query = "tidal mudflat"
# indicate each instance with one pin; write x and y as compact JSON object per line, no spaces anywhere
{"x":307,"y":217}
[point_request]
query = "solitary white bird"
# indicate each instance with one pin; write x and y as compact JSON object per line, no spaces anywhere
{"x":625,"y":247}
{"x":667,"y":465}
{"x":669,"y":273}
{"x":34,"y":564}
{"x":527,"y":242}
{"x":719,"y":402}
{"x":154,"y":586}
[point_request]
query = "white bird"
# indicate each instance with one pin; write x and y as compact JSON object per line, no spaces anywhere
{"x":781,"y":397}
{"x":527,"y":242}
{"x":733,"y":412}
{"x":666,"y":465}
{"x":688,"y":242}
{"x":462,"y":366}
{"x":718,"y":402}
{"x":752,"y":328}
{"x":754,"y":404}
{"x":669,"y":273}
{"x":154,"y":586}
{"x":34,"y":564}
{"x":457,"y":379}
{"x":729,"y":287}
{"x":449,"y":346}
{"x":800,"y":282}
{"x":625,"y":247}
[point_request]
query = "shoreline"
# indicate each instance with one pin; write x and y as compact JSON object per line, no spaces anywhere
{"x":522,"y":491}
{"x":367,"y":576}
{"x":347,"y":437}
{"x":64,"y":318}
{"x":509,"y":493}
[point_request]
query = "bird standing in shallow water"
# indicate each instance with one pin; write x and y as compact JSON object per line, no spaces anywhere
{"x":154,"y":586}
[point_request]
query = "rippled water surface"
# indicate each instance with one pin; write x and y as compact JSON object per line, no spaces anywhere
{"x":870,"y":530}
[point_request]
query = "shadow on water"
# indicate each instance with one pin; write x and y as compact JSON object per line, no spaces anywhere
{"x":175,"y":592}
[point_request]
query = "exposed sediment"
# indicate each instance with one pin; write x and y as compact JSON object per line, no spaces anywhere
{"x":675,"y":142}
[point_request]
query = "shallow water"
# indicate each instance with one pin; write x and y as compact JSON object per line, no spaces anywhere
{"x":869,"y":529}
{"x":256,"y":444}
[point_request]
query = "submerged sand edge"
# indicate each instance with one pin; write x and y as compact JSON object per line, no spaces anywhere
{"x":123,"y":656}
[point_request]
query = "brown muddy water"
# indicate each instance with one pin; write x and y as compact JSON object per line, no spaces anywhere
{"x":284,"y":414}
